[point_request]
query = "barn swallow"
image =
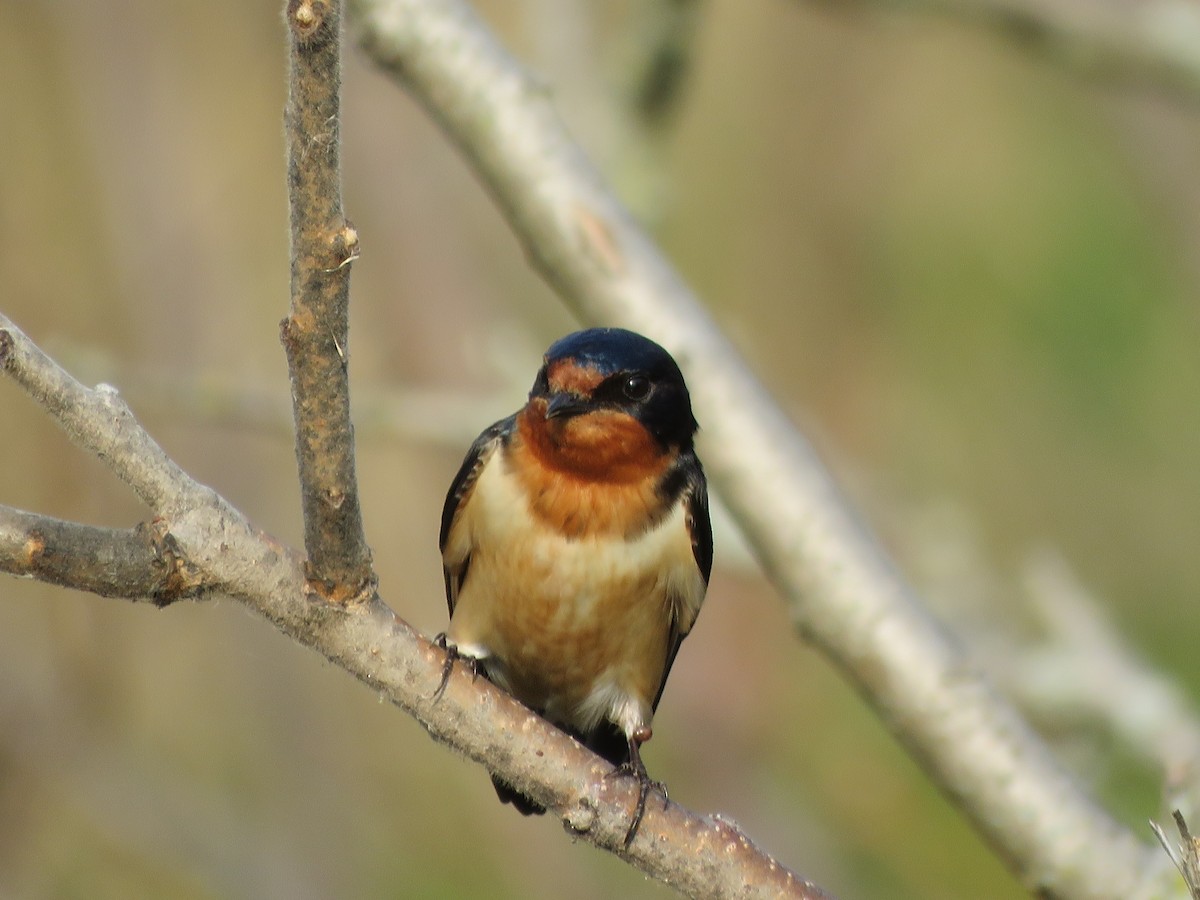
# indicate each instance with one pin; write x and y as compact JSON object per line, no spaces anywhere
{"x":577,"y":546}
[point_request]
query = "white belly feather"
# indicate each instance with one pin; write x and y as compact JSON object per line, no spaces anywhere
{"x":579,"y":629}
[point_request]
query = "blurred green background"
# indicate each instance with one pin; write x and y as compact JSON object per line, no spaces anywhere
{"x":971,"y":277}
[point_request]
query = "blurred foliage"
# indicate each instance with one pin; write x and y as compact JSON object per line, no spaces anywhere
{"x":969,"y":276}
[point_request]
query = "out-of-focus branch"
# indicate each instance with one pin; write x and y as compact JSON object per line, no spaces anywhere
{"x":1085,"y":668}
{"x":142,"y":563}
{"x":237,"y":400}
{"x":702,"y":857}
{"x":316,"y":332}
{"x":843,"y":592}
{"x":1154,"y":44}
{"x":1077,"y":669}
{"x":655,"y":61}
{"x":664,"y":33}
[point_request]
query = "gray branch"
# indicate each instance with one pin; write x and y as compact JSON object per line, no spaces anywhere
{"x":1150,"y":45}
{"x":141,"y":563}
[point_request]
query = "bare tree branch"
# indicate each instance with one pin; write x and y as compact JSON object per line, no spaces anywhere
{"x":1079,"y":669}
{"x":131,"y":453}
{"x":700,"y":856}
{"x":1084,"y":667}
{"x":142,"y":563}
{"x":843,"y":593}
{"x":316,"y":332}
{"x":1150,"y":45}
{"x":666,"y":36}
{"x":1185,"y":856}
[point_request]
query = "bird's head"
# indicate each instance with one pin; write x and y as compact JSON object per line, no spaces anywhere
{"x":607,"y":398}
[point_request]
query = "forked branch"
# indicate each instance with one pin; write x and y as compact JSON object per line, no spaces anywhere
{"x":702,"y":857}
{"x":221,"y":551}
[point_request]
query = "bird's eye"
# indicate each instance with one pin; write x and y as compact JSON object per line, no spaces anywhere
{"x":636,"y":387}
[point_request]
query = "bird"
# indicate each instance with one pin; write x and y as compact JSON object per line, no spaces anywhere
{"x":577,"y":546}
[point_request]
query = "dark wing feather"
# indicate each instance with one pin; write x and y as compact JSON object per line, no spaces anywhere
{"x":694,"y":493}
{"x":460,"y":490}
{"x":699,"y":522}
{"x":684,"y":483}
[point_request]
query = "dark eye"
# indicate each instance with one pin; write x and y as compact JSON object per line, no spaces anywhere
{"x":636,"y":387}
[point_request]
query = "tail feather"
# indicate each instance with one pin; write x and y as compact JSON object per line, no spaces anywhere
{"x":520,"y":802}
{"x":607,"y":741}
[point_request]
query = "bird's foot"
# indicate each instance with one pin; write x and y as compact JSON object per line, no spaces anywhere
{"x":636,"y":769}
{"x":452,"y":656}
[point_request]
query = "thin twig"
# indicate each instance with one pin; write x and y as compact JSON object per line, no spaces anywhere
{"x":700,"y":856}
{"x":843,"y":593}
{"x":1086,"y":667}
{"x":316,"y":332}
{"x":1185,"y":856}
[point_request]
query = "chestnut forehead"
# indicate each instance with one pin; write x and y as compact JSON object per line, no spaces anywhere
{"x":568,"y":375}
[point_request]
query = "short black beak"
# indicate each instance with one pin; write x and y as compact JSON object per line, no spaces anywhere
{"x":565,"y":405}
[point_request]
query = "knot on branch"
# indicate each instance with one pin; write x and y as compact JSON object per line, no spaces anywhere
{"x":344,"y":246}
{"x":6,"y":346}
{"x":299,"y":327}
{"x":312,"y":21}
{"x":581,"y":818}
{"x":176,"y":577}
{"x":337,"y":592}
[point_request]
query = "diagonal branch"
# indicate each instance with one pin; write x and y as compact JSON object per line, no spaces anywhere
{"x":131,"y":453}
{"x":666,"y":34}
{"x":843,"y":593}
{"x":700,"y":856}
{"x":1149,"y":45}
{"x":316,"y":332}
{"x":1084,"y":668}
{"x":142,"y":563}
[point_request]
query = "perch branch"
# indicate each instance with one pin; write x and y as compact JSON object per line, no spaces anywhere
{"x":316,"y":332}
{"x":700,"y":856}
{"x":843,"y":593}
